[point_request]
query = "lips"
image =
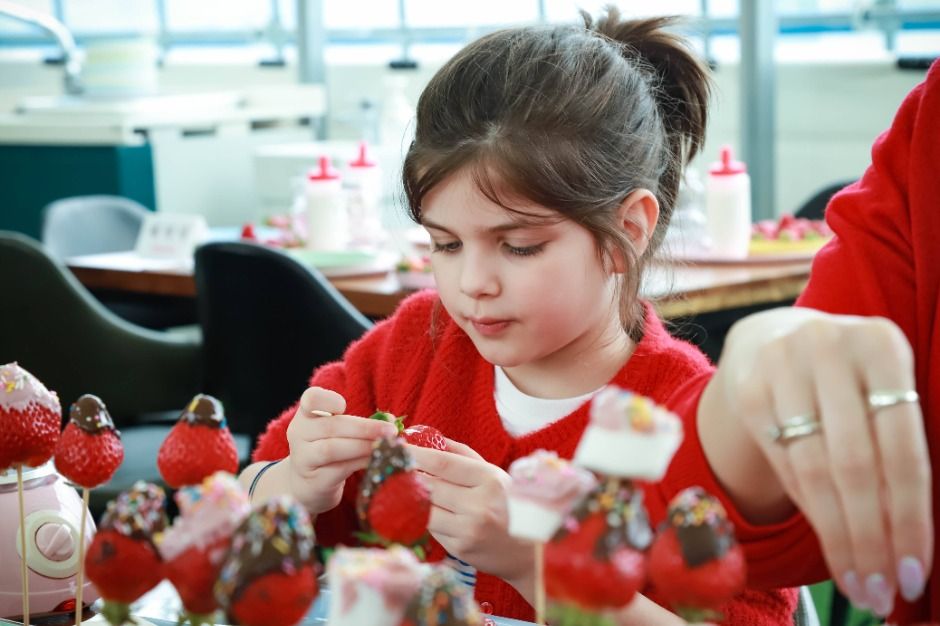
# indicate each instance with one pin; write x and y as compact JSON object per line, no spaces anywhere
{"x":489,"y":326}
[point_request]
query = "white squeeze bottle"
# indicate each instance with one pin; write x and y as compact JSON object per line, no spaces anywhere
{"x":363,"y":186}
{"x":327,"y":222}
{"x":728,"y":207}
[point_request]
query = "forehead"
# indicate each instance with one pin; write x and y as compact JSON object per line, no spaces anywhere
{"x":459,"y":199}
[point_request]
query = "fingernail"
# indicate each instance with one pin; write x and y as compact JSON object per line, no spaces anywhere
{"x":853,"y":589}
{"x":911,"y":578}
{"x":880,"y":595}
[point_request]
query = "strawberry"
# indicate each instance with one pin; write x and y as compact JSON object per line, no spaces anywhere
{"x":695,"y":563}
{"x":199,"y":445}
{"x":197,"y":544}
{"x":270,"y":576}
{"x":30,"y":418}
{"x":442,"y":599}
{"x":89,"y":450}
{"x":595,"y":561}
{"x":394,"y":505}
{"x":425,"y":437}
{"x":385,"y":416}
{"x":122,"y":561}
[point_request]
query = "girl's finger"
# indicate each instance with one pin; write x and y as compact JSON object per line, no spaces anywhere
{"x":332,"y":450}
{"x":444,"y":522}
{"x":453,"y":468}
{"x":335,"y":473}
{"x":320,"y":399}
{"x":449,"y":496}
{"x":312,"y":428}
{"x":462,"y":449}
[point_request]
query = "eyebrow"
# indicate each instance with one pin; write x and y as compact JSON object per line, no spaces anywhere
{"x":499,"y":228}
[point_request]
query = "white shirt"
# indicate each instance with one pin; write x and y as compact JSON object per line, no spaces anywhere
{"x":523,"y":414}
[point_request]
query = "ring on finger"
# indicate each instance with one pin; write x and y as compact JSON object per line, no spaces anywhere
{"x":884,"y":398}
{"x":794,"y":428}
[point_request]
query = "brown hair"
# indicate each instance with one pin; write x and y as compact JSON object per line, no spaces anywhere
{"x":570,"y":118}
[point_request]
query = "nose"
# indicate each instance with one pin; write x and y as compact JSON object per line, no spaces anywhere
{"x":479,"y":276}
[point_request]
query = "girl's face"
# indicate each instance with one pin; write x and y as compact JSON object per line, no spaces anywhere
{"x":532,"y":294}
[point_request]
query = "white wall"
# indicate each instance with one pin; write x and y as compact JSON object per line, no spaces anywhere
{"x":827,"y":114}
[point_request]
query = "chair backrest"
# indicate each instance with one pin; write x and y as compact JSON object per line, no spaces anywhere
{"x":58,"y":331}
{"x":91,"y":225}
{"x":267,"y":321}
{"x":815,"y":207}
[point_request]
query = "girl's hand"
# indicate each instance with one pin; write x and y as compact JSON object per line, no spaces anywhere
{"x":469,"y":514}
{"x":798,"y":392}
{"x":327,"y":447}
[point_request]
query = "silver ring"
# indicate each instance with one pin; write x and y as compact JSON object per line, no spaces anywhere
{"x":794,"y":428}
{"x":890,"y":397}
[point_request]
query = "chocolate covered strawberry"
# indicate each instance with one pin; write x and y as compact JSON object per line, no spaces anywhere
{"x":695,"y":563}
{"x":393,"y":504}
{"x":123,"y":561}
{"x":199,"y":445}
{"x":442,"y":599}
{"x":595,"y":563}
{"x":196,"y":546}
{"x":89,"y":450}
{"x":270,"y":576}
{"x":30,"y":419}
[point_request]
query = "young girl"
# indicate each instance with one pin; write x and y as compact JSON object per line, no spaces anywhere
{"x":545,"y":167}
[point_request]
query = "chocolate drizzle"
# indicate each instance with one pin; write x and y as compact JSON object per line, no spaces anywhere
{"x":627,"y":523}
{"x":90,"y":414}
{"x":137,"y":513}
{"x":204,"y":410}
{"x":389,"y":457}
{"x":444,"y":601}
{"x":702,"y":527}
{"x":276,"y":537}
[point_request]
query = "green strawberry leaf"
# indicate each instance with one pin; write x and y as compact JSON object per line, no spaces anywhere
{"x":694,"y":615}
{"x":385,"y":416}
{"x":572,"y":615}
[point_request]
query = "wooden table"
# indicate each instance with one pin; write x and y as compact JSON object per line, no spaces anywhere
{"x":676,"y":289}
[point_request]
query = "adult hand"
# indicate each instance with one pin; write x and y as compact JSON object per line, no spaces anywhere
{"x":326,"y":447}
{"x":828,"y":400}
{"x":469,"y":515}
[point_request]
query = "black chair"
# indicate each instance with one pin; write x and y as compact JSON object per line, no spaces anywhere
{"x":815,"y":207}
{"x":55,"y":329}
{"x":267,"y":322}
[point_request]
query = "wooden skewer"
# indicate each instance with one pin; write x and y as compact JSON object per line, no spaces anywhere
{"x":539,"y":583}
{"x":81,"y":559}
{"x":23,"y":548}
{"x":319,"y":413}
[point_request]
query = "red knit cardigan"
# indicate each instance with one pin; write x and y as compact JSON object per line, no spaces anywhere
{"x":885,"y":260}
{"x":438,"y":378}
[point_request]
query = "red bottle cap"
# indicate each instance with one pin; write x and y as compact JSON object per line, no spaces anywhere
{"x":363,"y":158}
{"x":728,"y":166}
{"x":325,"y":171}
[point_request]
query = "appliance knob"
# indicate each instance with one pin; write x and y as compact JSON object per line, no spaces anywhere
{"x":55,"y":541}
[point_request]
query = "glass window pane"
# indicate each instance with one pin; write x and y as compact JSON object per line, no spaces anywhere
{"x":217,"y":15}
{"x":919,"y":5}
{"x":430,"y":13}
{"x":566,"y":11}
{"x":105,"y":16}
{"x":9,"y":26}
{"x":808,"y":7}
{"x":362,"y":15}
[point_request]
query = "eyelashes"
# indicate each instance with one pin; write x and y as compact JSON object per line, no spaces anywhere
{"x":522,"y":251}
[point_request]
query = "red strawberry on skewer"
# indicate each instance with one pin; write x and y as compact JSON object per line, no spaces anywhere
{"x":394,"y":505}
{"x":595,"y":562}
{"x":199,"y":445}
{"x":270,"y":575}
{"x":197,"y":544}
{"x":123,"y":561}
{"x":695,"y":563}
{"x":30,"y":419}
{"x":89,"y":450}
{"x":425,"y":437}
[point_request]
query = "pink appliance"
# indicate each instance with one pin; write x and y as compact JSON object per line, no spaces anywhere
{"x":53,"y":515}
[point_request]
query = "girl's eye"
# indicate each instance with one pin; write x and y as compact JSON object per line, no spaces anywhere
{"x":525,"y":250}
{"x":451,"y":246}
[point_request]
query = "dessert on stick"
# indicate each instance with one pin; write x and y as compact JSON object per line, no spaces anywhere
{"x":123,"y":561}
{"x":199,"y":445}
{"x":442,"y":600}
{"x":269,"y":577}
{"x":695,"y":563}
{"x":372,"y":585}
{"x":30,"y":419}
{"x":628,"y":436}
{"x":196,"y":545}
{"x":88,"y":453}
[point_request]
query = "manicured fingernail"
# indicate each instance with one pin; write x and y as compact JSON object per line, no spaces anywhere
{"x":880,"y":595}
{"x":911,"y":578}
{"x":853,"y":589}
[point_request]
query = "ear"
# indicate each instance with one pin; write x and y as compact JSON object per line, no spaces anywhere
{"x":638,"y":215}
